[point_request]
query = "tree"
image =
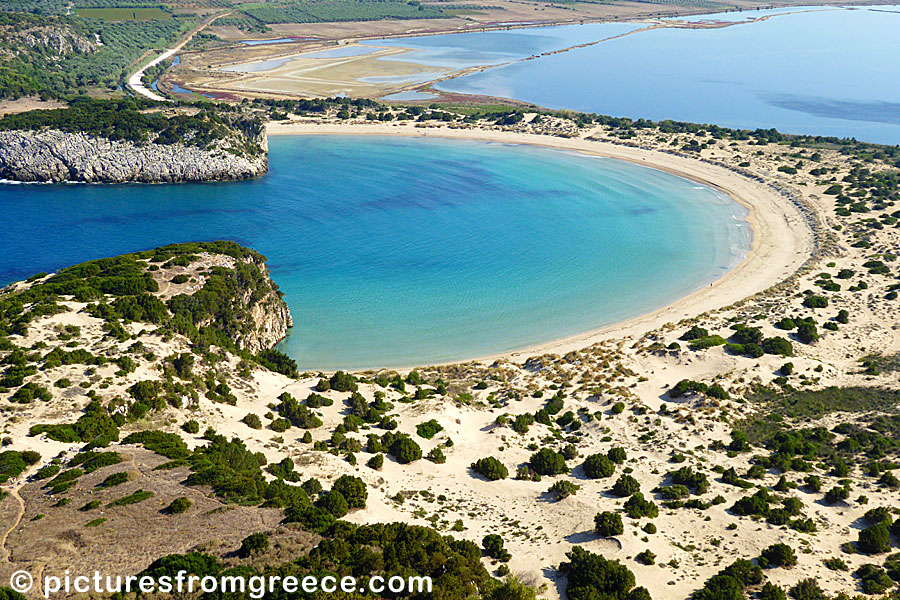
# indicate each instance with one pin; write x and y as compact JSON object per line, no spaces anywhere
{"x":598,"y":466}
{"x":353,"y":489}
{"x":491,"y":468}
{"x":608,"y":524}
{"x":547,"y":462}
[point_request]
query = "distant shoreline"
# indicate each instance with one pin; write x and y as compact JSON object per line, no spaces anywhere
{"x":782,"y":239}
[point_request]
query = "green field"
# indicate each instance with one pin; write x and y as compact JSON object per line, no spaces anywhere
{"x":125,"y":14}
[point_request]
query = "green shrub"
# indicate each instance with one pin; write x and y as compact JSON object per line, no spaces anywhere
{"x":625,"y":486}
{"x":405,"y":450}
{"x":436,"y":455}
{"x":343,"y":382}
{"x":334,"y":503}
{"x":875,"y":539}
{"x":255,"y":543}
{"x":777,"y":555}
{"x":598,"y":466}
{"x":707,"y":342}
{"x":428,"y":429}
{"x":770,"y":591}
{"x":563,"y":489}
{"x":178,"y":506}
{"x":547,"y":462}
{"x":192,"y":427}
{"x":492,"y":545}
{"x":376,"y":462}
{"x":646,"y":557}
{"x":608,"y":524}
{"x":778,"y":345}
{"x":592,"y":577}
{"x":813,"y":301}
{"x":807,"y":589}
{"x":694,"y":333}
{"x":353,"y":489}
{"x":697,"y":482}
{"x":873,"y":579}
{"x":252,"y":421}
{"x":807,"y":332}
{"x":491,"y":468}
{"x":637,"y":506}
{"x":617,"y":455}
{"x":114,"y":480}
{"x":133,"y":498}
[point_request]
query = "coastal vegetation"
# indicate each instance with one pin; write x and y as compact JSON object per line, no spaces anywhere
{"x":780,"y":464}
{"x":45,"y":52}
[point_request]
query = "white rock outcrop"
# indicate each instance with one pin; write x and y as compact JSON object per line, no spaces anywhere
{"x":56,"y":156}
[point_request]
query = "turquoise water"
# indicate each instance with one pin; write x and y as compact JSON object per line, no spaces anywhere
{"x":410,"y":251}
{"x":827,"y":72}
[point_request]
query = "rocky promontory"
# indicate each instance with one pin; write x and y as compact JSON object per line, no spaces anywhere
{"x":56,"y":156}
{"x":132,"y":140}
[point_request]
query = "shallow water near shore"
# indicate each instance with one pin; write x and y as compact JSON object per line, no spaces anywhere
{"x":395,"y":252}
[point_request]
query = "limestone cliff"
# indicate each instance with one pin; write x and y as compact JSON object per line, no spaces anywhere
{"x":54,"y":156}
{"x":268,"y":314}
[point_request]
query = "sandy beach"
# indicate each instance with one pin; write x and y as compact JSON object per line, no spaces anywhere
{"x":782,"y":237}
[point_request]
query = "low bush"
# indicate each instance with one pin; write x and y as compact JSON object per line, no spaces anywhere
{"x":490,"y":468}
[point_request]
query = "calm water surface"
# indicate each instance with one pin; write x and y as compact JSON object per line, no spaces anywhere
{"x":823,"y":71}
{"x":409,"y":251}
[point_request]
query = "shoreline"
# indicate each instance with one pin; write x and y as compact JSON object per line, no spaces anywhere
{"x":782,"y":238}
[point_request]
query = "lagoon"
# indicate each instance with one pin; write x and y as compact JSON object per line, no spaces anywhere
{"x":816,"y":70}
{"x":396,"y":252}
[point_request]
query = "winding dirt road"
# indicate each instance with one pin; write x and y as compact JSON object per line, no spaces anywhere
{"x":134,"y":82}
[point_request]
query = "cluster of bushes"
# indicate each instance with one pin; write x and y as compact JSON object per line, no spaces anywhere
{"x":686,"y":386}
{"x":731,"y":582}
{"x":760,"y":504}
{"x":13,"y":463}
{"x":95,"y":426}
{"x":296,"y":414}
{"x":591,"y":576}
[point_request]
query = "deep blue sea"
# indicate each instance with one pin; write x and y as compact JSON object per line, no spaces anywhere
{"x":823,"y":71}
{"x":397,"y":252}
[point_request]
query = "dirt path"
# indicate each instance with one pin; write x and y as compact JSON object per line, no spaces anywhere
{"x":134,"y":82}
{"x":6,"y":553}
